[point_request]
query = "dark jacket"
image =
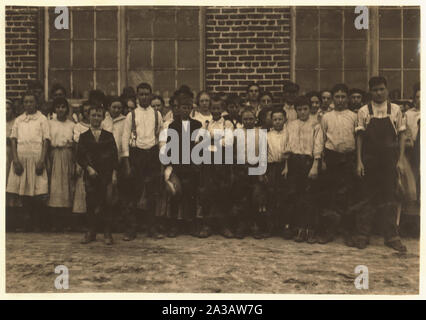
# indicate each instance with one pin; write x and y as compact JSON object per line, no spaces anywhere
{"x":177,"y":125}
{"x":101,"y":156}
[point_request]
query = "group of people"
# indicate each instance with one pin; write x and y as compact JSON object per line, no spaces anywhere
{"x":337,"y":160}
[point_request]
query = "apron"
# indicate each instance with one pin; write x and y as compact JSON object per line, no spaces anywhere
{"x":380,"y":154}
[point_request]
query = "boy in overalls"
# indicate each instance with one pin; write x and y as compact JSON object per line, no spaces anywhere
{"x":378,"y":159}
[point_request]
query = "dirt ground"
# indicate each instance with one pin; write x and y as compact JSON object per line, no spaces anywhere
{"x":212,"y":265}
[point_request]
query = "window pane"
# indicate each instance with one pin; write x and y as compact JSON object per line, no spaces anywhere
{"x":356,"y":79}
{"x":350,"y":31}
{"x":331,"y":54}
{"x":307,"y":54}
{"x":331,"y":23}
{"x":62,"y":77}
{"x":390,"y":54}
{"x":393,"y":79}
{"x":410,"y":78}
{"x":140,"y":54}
{"x":107,"y":81}
{"x":390,"y":23}
{"x":189,"y":77}
{"x":164,"y":54}
{"x":106,"y":54}
{"x":188,"y":54}
{"x":83,"y":54}
{"x":165,"y":24}
{"x":83,"y":23}
{"x":164,"y":81}
{"x":59,"y":54}
{"x":82,"y":81}
{"x":329,"y":78}
{"x":306,"y":24}
{"x":134,"y":77}
{"x":53,"y":32}
{"x":140,"y":23}
{"x":307,"y":79}
{"x":187,"y":26}
{"x":355,"y":54}
{"x":411,"y":54}
{"x":106,"y":24}
{"x":411,"y":23}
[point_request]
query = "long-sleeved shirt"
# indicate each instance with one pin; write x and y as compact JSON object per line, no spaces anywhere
{"x":145,"y":127}
{"x":412,"y":116}
{"x":220,"y":125}
{"x":290,"y":112}
{"x":304,"y":138}
{"x":117,"y":131}
{"x":339,"y":130}
{"x":276,"y":145}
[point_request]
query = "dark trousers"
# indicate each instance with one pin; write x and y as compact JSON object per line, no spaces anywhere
{"x":98,"y":202}
{"x":379,"y":187}
{"x":247,"y":196}
{"x":214,"y":193}
{"x":302,"y":192}
{"x":277,"y":214}
{"x":183,"y":205}
{"x":142,"y":188}
{"x":339,"y":181}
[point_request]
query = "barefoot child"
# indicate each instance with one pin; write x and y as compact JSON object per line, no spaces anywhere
{"x":303,"y":150}
{"x":27,"y":175}
{"x":97,"y":155}
{"x":62,"y":162}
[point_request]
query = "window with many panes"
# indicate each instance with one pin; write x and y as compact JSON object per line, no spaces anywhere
{"x":328,"y":48}
{"x":85,"y":56}
{"x":158,"y":45}
{"x":399,"y":48}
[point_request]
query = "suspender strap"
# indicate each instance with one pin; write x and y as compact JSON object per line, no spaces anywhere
{"x":389,"y":108}
{"x":370,"y":109}
{"x":134,"y":133}
{"x":156,"y":126}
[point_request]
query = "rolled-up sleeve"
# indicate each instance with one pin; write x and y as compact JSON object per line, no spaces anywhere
{"x":400,"y":121}
{"x":362,"y":121}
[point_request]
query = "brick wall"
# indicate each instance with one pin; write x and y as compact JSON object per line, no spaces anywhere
{"x":21,"y":48}
{"x":246,"y":44}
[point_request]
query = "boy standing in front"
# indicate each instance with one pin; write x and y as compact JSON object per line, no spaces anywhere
{"x":338,"y":126}
{"x":379,"y":155}
{"x":303,"y":150}
{"x":142,"y":165}
{"x":97,"y":155}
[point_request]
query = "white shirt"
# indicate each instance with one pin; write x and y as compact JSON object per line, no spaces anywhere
{"x":339,"y":130}
{"x":290,"y":111}
{"x":117,"y":131}
{"x":202,"y":118}
{"x":380,"y":111}
{"x":61,"y":132}
{"x":145,"y":127}
{"x":276,"y":145}
{"x":412,"y":115}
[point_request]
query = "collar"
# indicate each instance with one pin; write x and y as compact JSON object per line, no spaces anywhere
{"x":34,"y":116}
{"x":143,"y":109}
{"x":119,"y":118}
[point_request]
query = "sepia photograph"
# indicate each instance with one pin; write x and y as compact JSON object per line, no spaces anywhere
{"x":212,"y":149}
